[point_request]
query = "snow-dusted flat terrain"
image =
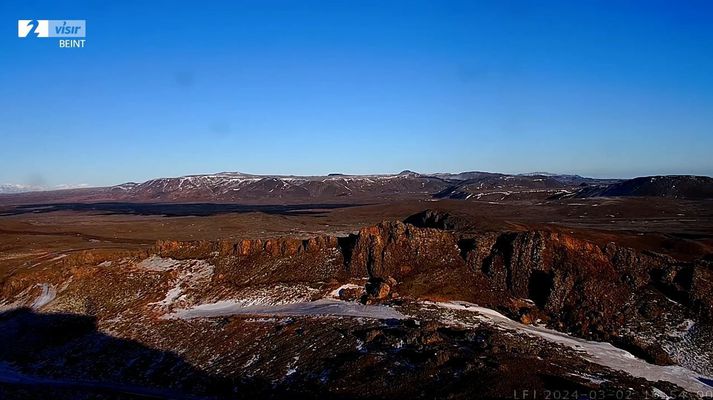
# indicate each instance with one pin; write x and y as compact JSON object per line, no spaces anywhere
{"x":326,"y":307}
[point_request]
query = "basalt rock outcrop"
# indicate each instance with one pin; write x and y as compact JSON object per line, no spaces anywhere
{"x":279,"y":247}
{"x":400,"y":250}
{"x":602,"y":292}
{"x":439,"y":220}
{"x":574,"y":284}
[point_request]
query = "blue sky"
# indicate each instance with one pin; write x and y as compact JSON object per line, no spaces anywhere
{"x":167,"y":88}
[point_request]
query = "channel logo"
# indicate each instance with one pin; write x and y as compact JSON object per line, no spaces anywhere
{"x":39,"y":28}
{"x":48,"y":28}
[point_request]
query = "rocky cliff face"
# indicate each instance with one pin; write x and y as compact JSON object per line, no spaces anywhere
{"x":638,"y":300}
{"x":400,"y":250}
{"x":574,"y":284}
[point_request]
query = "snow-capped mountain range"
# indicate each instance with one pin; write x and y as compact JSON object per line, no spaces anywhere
{"x":333,"y":188}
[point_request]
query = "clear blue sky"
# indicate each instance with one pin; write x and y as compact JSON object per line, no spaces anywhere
{"x":166,"y":88}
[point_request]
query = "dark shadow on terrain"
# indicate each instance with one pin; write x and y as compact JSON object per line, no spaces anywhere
{"x":707,"y":381}
{"x":174,"y":210}
{"x":540,"y":286}
{"x":64,"y":356}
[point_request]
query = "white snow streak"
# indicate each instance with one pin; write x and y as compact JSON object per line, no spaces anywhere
{"x":48,"y":294}
{"x":335,"y":293}
{"x":322,"y":307}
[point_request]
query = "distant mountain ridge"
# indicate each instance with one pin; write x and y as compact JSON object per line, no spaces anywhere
{"x":671,"y":186}
{"x":237,"y":187}
{"x":18,"y":188}
{"x":22,"y":188}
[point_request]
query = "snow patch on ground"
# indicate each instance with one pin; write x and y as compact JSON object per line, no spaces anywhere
{"x":322,"y":307}
{"x":26,"y":298}
{"x":157,"y":263}
{"x":191,"y":275}
{"x":335,"y":293}
{"x":268,"y":295}
{"x":600,"y":353}
{"x":591,"y":378}
{"x":48,"y":294}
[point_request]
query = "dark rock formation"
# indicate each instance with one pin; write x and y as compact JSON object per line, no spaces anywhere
{"x":673,"y":186}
